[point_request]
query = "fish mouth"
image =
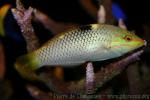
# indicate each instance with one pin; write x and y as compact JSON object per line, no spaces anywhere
{"x":140,"y":47}
{"x":137,"y":49}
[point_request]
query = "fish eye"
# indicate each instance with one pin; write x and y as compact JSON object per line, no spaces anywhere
{"x":128,"y":38}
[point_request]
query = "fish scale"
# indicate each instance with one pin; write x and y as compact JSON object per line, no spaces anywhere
{"x":68,"y":48}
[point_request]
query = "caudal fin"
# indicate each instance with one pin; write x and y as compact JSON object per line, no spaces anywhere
{"x":3,"y":11}
{"x":26,"y":66}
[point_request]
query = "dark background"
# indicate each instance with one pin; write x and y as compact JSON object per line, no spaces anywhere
{"x":137,"y":12}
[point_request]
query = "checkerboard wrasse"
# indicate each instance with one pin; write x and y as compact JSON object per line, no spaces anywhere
{"x":94,"y":42}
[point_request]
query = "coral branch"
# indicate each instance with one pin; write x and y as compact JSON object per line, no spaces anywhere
{"x":101,"y":14}
{"x":121,"y":24}
{"x":23,"y":18}
{"x":115,"y":68}
{"x":19,"y":6}
{"x":89,"y":78}
{"x":134,"y":79}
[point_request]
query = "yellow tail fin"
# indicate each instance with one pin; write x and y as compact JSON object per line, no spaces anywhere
{"x":3,"y":11}
{"x":26,"y":66}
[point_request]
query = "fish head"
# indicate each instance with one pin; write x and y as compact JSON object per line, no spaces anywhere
{"x":124,"y":41}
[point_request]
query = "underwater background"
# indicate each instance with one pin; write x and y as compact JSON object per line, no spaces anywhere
{"x":132,"y":81}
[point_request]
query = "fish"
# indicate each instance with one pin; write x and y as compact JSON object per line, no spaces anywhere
{"x":9,"y":28}
{"x":3,"y":11}
{"x":78,"y":45}
{"x":117,"y":12}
